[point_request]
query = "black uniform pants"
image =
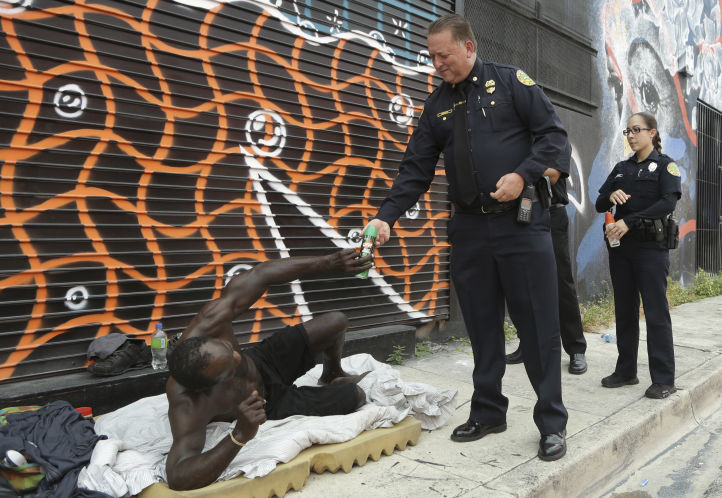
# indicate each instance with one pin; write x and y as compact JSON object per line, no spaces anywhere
{"x":495,"y":259}
{"x":570,"y":318}
{"x":642,"y":268}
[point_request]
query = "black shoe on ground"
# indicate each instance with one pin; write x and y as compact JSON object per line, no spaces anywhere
{"x":132,"y":355}
{"x":553,"y":446}
{"x":659,"y":391}
{"x":616,"y":380}
{"x":471,"y":431}
{"x":514,"y":358}
{"x":577,"y":363}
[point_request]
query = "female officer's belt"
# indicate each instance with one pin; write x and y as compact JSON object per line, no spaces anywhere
{"x":649,"y":229}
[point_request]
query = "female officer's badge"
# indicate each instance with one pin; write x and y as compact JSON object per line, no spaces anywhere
{"x":673,"y":169}
{"x":524,"y":78}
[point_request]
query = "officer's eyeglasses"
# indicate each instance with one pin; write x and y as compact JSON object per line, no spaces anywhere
{"x":634,"y":130}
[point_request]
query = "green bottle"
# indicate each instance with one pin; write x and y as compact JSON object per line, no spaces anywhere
{"x":368,"y":242}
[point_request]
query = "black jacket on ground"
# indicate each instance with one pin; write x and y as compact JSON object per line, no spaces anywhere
{"x":60,"y":439}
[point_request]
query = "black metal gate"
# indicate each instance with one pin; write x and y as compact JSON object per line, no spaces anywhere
{"x":709,"y":188}
{"x":540,"y":42}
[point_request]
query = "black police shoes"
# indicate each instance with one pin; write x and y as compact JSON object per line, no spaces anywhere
{"x":472,"y":430}
{"x":553,"y":446}
{"x":514,"y":358}
{"x":577,"y":363}
{"x":616,"y":380}
{"x":659,"y":391}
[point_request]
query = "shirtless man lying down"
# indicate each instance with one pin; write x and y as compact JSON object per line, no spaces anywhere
{"x":213,"y":380}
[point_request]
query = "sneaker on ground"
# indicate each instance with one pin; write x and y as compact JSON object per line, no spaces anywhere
{"x":132,"y":355}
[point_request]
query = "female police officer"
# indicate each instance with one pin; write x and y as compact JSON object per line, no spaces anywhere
{"x":645,"y":189}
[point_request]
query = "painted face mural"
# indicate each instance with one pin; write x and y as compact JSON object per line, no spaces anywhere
{"x":657,"y":56}
{"x":150,"y":152}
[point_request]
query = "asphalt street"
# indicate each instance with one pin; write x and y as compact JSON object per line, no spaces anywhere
{"x":691,"y":467}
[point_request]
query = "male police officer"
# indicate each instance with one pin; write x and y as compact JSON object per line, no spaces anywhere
{"x":496,"y":137}
{"x":570,"y":318}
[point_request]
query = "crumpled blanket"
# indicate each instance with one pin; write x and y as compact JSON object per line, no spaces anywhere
{"x":139,"y":436}
{"x":384,"y":387}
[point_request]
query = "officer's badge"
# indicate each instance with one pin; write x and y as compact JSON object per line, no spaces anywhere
{"x":524,"y":78}
{"x":673,"y":169}
{"x":490,"y":86}
{"x":652,"y":166}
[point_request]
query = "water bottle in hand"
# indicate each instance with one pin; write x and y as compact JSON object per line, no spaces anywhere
{"x":159,"y":348}
{"x":609,"y":220}
{"x":609,"y":338}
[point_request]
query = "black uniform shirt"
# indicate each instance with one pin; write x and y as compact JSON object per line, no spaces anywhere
{"x":513,"y":128}
{"x":654,"y":186}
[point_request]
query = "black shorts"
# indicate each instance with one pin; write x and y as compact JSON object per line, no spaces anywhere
{"x":284,"y":357}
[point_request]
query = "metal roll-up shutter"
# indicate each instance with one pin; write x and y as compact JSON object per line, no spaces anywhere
{"x":150,"y":151}
{"x":709,"y":189}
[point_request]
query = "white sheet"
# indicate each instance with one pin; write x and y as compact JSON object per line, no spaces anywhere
{"x":139,"y":436}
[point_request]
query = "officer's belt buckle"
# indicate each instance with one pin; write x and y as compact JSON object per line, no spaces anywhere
{"x":499,"y":207}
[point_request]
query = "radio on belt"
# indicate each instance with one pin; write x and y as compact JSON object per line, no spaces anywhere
{"x":523,"y":215}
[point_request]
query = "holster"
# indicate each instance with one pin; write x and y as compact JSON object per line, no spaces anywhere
{"x":544,"y":188}
{"x":672,"y":233}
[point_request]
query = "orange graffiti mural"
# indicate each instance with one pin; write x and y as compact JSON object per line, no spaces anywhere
{"x":149,"y":152}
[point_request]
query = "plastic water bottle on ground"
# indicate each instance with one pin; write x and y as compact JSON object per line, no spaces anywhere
{"x":159,"y":348}
{"x":609,"y":338}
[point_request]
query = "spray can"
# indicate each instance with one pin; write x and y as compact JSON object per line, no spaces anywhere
{"x":609,"y":220}
{"x":368,"y":242}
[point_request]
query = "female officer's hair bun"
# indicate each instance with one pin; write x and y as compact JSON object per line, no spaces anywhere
{"x":651,"y":122}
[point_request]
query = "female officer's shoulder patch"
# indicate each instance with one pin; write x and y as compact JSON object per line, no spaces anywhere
{"x":524,"y":78}
{"x":673,"y":169}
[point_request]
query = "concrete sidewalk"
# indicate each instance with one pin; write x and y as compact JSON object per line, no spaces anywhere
{"x":610,"y":431}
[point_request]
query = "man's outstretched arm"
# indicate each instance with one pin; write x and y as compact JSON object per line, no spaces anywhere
{"x":187,"y":467}
{"x":246,"y":288}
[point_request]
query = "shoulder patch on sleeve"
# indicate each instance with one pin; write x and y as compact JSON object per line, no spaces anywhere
{"x":673,"y":169}
{"x":524,"y":78}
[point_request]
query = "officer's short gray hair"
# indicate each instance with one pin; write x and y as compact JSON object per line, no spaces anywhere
{"x":460,"y":28}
